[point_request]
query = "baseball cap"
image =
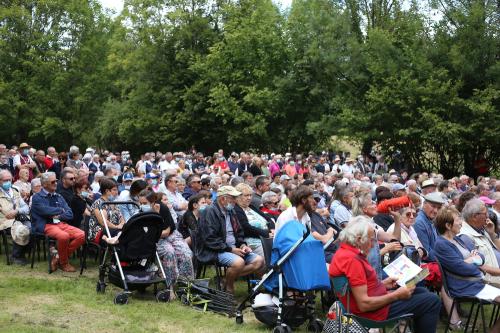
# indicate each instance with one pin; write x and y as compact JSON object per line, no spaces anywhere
{"x":228,"y":190}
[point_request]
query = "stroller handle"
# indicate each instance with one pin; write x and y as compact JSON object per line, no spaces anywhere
{"x":110,"y":203}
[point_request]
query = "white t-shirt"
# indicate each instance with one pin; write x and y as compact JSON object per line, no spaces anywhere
{"x":290,"y":214}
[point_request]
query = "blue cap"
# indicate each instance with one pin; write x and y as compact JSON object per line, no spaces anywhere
{"x":152,"y":176}
{"x":127,"y":177}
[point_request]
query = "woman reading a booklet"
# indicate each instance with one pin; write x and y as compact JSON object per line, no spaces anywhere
{"x":371,"y":297}
{"x":463,"y":266}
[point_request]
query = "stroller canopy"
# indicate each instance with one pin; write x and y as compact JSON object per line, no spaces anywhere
{"x":140,"y":235}
{"x":305,"y":269}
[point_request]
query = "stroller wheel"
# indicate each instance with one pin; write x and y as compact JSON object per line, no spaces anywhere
{"x":282,"y":329}
{"x":163,"y":296}
{"x":315,"y":325}
{"x":121,"y":299}
{"x":100,"y":287}
{"x":239,"y":318}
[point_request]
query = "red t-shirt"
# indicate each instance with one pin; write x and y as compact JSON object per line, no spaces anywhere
{"x":349,"y":261}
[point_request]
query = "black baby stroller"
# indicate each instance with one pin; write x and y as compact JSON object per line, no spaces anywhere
{"x":134,"y":263}
{"x":297,"y":270}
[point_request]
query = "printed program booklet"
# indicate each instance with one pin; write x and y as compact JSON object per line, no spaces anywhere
{"x":406,"y":271}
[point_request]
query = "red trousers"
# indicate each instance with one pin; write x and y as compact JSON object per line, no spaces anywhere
{"x":68,"y":239}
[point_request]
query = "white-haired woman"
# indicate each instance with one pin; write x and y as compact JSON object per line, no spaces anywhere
{"x":371,"y":297}
{"x":362,"y":205}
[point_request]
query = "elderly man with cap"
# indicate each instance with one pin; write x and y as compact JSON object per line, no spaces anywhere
{"x":222,"y":238}
{"x":424,"y":225}
{"x":12,"y":204}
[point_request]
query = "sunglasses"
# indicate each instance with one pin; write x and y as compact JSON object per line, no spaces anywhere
{"x":410,"y":214}
{"x":196,"y":181}
{"x":275,"y":202}
{"x":53,"y":182}
{"x":73,"y":178}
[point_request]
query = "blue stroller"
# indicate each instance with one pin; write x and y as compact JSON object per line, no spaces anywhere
{"x":297,"y":270}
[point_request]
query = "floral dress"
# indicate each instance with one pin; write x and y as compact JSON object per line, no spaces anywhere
{"x":113,"y":217}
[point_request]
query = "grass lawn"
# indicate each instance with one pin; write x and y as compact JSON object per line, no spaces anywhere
{"x":34,"y":301}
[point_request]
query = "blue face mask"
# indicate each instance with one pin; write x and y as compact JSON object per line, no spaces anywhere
{"x":115,"y":178}
{"x":111,"y":197}
{"x":26,"y":152}
{"x":202,"y":208}
{"x":154,"y":181}
{"x":229,"y":207}
{"x":7,"y":185}
{"x":146,"y":208}
{"x":85,"y":194}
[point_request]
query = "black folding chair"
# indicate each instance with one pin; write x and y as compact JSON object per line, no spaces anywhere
{"x":200,"y":267}
{"x":474,"y":301}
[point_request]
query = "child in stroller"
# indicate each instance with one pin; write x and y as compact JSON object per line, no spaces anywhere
{"x":297,"y":270}
{"x":134,"y":262}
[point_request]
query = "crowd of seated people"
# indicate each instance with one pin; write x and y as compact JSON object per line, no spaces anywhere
{"x":231,"y":203}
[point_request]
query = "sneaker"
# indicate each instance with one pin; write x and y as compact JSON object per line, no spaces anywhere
{"x":67,"y":268}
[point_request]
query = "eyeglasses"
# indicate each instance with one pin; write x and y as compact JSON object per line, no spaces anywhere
{"x":275,"y":202}
{"x":411,"y":214}
{"x":73,"y":178}
{"x":53,"y":182}
{"x":196,"y":181}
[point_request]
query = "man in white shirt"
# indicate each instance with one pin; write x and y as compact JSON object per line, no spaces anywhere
{"x":303,"y":204}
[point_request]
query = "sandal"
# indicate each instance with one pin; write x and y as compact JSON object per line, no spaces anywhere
{"x":458,"y":326}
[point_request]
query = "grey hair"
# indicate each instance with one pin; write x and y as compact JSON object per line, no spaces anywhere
{"x":44,"y":178}
{"x":35,"y":182}
{"x":359,"y":202}
{"x":181,"y":180}
{"x":358,"y":226}
{"x":213,"y":181}
{"x":472,"y":207}
{"x":5,"y":171}
{"x":268,"y":196}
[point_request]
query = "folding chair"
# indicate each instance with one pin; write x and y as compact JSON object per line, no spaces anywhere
{"x":474,"y":301}
{"x":200,"y":267}
{"x":342,"y":288}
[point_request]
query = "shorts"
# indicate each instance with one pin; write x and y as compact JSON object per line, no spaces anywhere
{"x":227,"y":258}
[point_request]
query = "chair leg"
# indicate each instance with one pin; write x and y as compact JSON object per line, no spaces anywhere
{"x":483,"y":319}
{"x":475,"y":317}
{"x":33,"y":251}
{"x":494,"y":314}
{"x":83,"y":258}
{"x":6,"y":246}
{"x":469,"y":317}
{"x":49,"y":254}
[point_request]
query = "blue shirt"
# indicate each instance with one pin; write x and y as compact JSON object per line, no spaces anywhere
{"x":427,"y":234}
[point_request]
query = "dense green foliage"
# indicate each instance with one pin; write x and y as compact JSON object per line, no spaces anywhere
{"x":421,"y":80}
